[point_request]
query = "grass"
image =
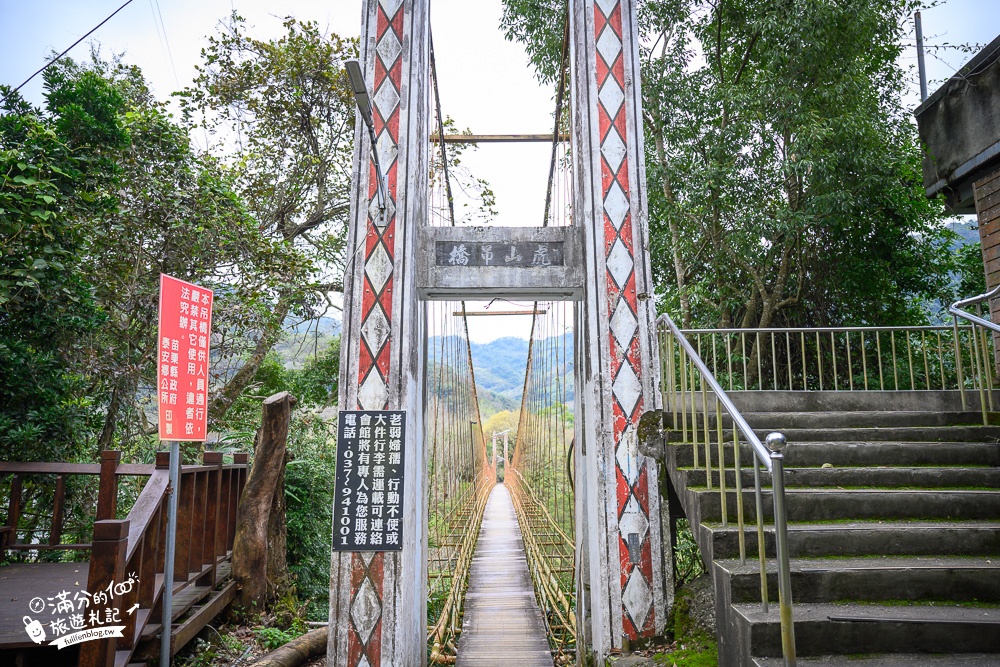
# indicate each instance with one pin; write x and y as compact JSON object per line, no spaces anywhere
{"x":700,"y":651}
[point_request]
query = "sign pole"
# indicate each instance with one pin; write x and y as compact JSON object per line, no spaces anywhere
{"x":183,"y":338}
{"x":168,"y":557}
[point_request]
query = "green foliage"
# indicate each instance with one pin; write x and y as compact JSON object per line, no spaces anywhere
{"x":274,"y":638}
{"x":784,"y":172}
{"x":309,"y":500}
{"x":687,"y":558}
{"x":218,"y":649}
{"x":282,"y":625}
{"x":50,"y":176}
{"x":317,"y":382}
{"x":699,"y":652}
{"x":538,"y":24}
{"x":969,"y":266}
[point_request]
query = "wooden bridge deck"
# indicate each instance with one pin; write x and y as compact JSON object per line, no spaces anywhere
{"x":502,"y":624}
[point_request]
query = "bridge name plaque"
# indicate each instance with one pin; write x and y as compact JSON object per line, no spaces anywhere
{"x":368,"y":506}
{"x":489,"y":262}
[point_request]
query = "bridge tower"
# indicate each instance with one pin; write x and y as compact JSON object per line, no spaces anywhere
{"x":620,"y":542}
{"x":377,"y":599}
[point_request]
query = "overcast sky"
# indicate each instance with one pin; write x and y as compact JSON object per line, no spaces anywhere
{"x":485,"y":82}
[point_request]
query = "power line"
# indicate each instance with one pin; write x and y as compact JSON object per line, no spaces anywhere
{"x":46,"y":65}
{"x":162,"y":28}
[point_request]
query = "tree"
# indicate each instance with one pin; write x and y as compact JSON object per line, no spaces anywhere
{"x":282,"y":113}
{"x":783,"y":170}
{"x":53,"y":171}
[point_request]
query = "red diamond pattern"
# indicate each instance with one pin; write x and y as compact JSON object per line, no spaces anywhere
{"x":376,"y":299}
{"x":637,"y":601}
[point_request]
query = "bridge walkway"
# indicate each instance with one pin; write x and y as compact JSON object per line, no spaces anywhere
{"x":502,"y":624}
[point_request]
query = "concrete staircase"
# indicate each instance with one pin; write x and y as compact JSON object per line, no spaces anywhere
{"x":894,"y":531}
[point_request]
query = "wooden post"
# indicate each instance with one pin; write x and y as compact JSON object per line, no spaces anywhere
{"x":250,"y":548}
{"x":378,"y":599}
{"x":107,"y":496}
{"x":213,"y":517}
{"x":107,"y":565}
{"x":9,"y":536}
{"x":55,"y":531}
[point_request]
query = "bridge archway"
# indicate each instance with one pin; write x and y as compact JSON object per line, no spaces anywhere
{"x":378,"y":599}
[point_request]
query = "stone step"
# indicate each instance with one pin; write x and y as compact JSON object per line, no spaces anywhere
{"x":895,"y":433}
{"x":859,"y":400}
{"x":890,"y":660}
{"x":862,"y":453}
{"x":861,"y":538}
{"x":883,"y":477}
{"x":851,"y":629}
{"x":812,"y":505}
{"x":901,"y":433}
{"x":872,"y":579}
{"x":778,"y":421}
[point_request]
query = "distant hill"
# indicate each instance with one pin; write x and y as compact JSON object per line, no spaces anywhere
{"x":967,"y":230}
{"x":500,"y":365}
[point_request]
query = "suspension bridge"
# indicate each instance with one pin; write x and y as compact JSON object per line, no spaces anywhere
{"x":874,"y":508}
{"x":662,"y":424}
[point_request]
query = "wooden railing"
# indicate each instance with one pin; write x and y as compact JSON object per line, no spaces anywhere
{"x":134,"y":547}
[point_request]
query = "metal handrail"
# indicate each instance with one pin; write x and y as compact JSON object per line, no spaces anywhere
{"x":770,"y":456}
{"x":956,"y":309}
{"x":834,"y":358}
{"x":759,"y":449}
{"x":982,"y":378}
{"x":901,"y":327}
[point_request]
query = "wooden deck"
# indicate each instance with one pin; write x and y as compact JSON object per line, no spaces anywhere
{"x":21,"y":582}
{"x":502,"y":624}
{"x":208,"y":497}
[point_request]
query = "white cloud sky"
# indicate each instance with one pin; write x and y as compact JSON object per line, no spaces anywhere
{"x":485,"y":82}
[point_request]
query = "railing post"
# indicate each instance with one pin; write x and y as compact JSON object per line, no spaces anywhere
{"x":107,"y":566}
{"x":776,"y":443}
{"x":958,"y":363}
{"x":9,"y":536}
{"x":107,"y":496}
{"x":213,"y":513}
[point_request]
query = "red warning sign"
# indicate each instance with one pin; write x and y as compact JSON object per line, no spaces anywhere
{"x":182,"y":360}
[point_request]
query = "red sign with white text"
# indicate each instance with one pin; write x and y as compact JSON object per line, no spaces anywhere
{"x":182,"y":360}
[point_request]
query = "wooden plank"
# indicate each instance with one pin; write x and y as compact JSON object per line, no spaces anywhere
{"x":987,"y":185}
{"x":195,"y":560}
{"x":992,"y":253}
{"x":145,"y":508}
{"x":107,"y":495}
{"x":185,"y":510}
{"x":988,"y":230}
{"x":988,"y":215}
{"x":988,"y":201}
{"x":13,"y":511}
{"x":496,"y":138}
{"x":500,"y":608}
{"x":202,"y":616}
{"x":107,"y":565}
{"x":21,"y":582}
{"x":42,"y":468}
{"x":55,"y":529}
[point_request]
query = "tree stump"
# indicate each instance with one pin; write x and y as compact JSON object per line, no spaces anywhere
{"x":251,"y":547}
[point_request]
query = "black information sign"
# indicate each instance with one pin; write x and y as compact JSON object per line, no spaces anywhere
{"x":368,"y":510}
{"x":505,"y":253}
